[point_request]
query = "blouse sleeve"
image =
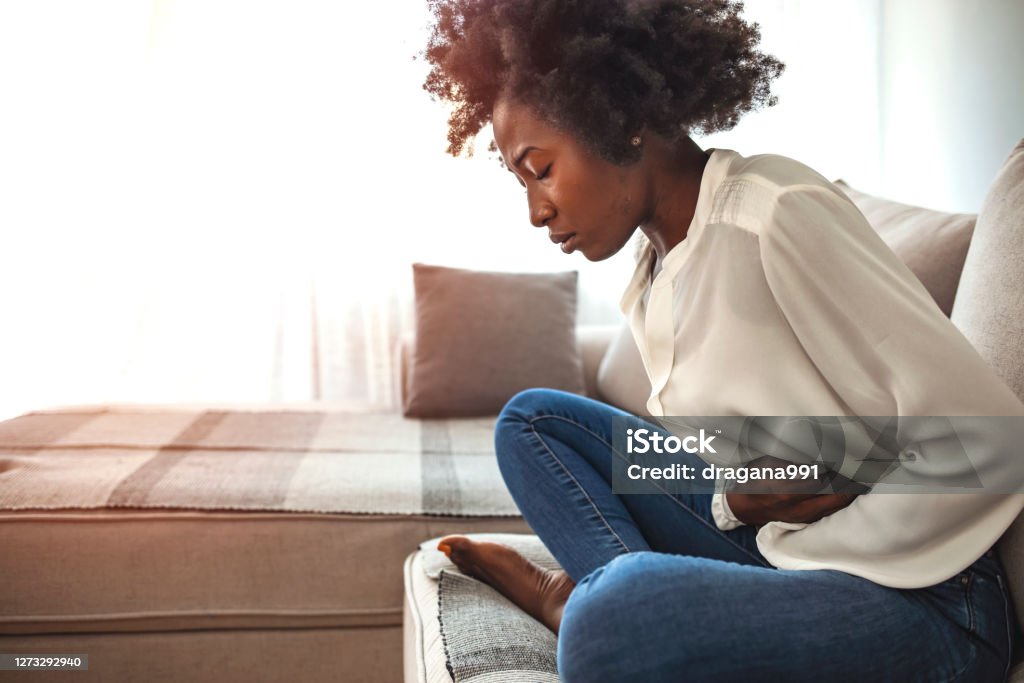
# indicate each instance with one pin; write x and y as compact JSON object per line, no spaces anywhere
{"x":722,"y":513}
{"x":883,"y":345}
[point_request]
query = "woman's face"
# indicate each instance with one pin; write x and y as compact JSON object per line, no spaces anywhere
{"x":586,"y":203}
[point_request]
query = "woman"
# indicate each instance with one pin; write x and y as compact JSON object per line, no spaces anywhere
{"x":759,"y":290}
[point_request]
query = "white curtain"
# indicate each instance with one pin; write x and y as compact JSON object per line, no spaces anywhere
{"x":220,"y":201}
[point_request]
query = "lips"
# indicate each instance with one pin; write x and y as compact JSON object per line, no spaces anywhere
{"x":566,"y":240}
{"x":559,"y":238}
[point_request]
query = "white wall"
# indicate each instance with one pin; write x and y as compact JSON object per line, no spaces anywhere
{"x":827,"y":111}
{"x":951,"y":97}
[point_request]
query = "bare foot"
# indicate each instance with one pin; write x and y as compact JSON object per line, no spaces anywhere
{"x":539,"y":592}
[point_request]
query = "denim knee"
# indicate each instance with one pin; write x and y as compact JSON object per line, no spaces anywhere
{"x":528,"y":403}
{"x":596,"y":629}
{"x":515,"y":418}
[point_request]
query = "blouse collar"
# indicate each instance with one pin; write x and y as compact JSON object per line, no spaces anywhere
{"x":714,"y":172}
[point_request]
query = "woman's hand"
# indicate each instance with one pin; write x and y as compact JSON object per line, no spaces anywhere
{"x":761,"y":501}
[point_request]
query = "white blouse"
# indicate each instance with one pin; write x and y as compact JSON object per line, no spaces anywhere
{"x":782,"y":300}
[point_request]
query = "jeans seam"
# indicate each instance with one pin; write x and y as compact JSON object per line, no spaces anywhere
{"x":653,"y":483}
{"x":579,"y":486}
{"x":1007,"y":617}
{"x":972,"y":621}
{"x":970,"y":627}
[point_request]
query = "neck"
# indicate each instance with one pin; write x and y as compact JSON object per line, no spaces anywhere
{"x":676,"y":172}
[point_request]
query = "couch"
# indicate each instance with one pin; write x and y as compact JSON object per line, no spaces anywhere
{"x":273,"y":543}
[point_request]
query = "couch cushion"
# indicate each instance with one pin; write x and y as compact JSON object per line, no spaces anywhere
{"x":143,"y":571}
{"x":621,"y":378}
{"x":989,"y":311}
{"x":486,"y":635}
{"x":482,"y":337}
{"x":199,"y":539}
{"x":933,"y":244}
{"x":989,"y":307}
{"x":594,"y":341}
{"x":458,"y":629}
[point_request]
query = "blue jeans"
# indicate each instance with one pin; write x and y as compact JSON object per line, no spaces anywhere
{"x":663,"y":595}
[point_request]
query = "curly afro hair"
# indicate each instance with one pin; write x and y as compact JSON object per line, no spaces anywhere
{"x":598,"y":69}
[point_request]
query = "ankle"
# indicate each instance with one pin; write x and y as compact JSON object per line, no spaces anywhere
{"x":553,"y":590}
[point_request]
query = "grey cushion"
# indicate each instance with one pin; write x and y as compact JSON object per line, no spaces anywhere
{"x":989,"y":307}
{"x":621,"y":378}
{"x":989,"y":311}
{"x":594,"y":341}
{"x":481,"y":337}
{"x":484,"y":637}
{"x":488,"y":639}
{"x":933,"y":244}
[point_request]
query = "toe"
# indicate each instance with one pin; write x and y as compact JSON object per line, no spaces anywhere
{"x":450,"y":545}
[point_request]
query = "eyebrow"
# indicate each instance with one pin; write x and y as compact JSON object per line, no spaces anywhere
{"x":522,"y":155}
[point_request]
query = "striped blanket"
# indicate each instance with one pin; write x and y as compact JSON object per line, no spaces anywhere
{"x":310,"y":460}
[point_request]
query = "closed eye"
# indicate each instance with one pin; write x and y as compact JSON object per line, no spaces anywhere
{"x":545,"y":172}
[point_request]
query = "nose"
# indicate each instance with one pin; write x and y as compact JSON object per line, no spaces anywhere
{"x":541,"y":212}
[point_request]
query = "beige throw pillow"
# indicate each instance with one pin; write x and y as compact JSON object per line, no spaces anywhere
{"x":933,"y":244}
{"x":481,"y":337}
{"x":990,"y":304}
{"x":621,"y":378}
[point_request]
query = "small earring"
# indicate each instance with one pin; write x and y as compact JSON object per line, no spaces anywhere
{"x":636,"y":140}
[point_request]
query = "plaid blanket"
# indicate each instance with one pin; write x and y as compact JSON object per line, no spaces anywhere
{"x":253,"y":459}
